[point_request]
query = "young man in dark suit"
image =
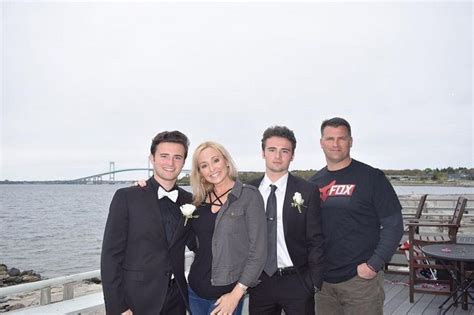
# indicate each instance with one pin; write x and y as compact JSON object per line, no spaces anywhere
{"x":142,"y":263}
{"x":293,"y":270}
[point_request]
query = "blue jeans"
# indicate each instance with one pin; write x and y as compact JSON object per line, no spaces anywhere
{"x":200,"y":306}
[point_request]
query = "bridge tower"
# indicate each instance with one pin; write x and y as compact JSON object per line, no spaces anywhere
{"x":150,"y":169}
{"x":112,"y":172}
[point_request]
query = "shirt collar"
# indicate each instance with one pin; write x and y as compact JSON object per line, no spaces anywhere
{"x":280,"y":183}
{"x":237,"y":189}
{"x":155,"y":185}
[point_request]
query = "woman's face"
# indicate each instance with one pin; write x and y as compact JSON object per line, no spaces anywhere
{"x":212,"y":166}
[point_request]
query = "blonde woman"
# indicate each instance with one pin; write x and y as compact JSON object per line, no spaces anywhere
{"x":230,"y":231}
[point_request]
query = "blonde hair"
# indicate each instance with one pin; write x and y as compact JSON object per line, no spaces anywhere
{"x":200,"y":186}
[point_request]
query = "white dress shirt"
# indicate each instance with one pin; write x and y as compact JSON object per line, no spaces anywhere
{"x":283,"y":256}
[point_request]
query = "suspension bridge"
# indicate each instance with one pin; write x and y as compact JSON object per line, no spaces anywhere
{"x":109,"y":177}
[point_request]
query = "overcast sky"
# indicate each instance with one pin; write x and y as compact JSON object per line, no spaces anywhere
{"x":87,"y":83}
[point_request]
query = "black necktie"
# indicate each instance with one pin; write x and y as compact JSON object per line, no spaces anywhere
{"x":271,"y":264}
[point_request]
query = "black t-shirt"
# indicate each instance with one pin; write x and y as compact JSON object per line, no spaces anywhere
{"x":353,"y":200}
{"x":200,"y":273}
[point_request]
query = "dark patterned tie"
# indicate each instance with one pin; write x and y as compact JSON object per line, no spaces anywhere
{"x":271,"y":264}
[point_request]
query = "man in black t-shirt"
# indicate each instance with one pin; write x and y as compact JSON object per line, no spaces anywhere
{"x":362,"y":226}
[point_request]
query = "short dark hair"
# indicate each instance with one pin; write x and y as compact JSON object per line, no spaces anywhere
{"x":170,"y":136}
{"x":279,"y":131}
{"x":336,"y":122}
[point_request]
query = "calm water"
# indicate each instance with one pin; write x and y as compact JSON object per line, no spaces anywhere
{"x":57,"y":230}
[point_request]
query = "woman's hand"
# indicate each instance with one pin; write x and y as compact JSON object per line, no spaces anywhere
{"x":140,"y":182}
{"x":228,"y":302}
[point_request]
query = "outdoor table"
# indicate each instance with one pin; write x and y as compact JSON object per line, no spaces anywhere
{"x":454,"y":257}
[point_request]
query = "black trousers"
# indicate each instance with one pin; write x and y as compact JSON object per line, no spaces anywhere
{"x":278,"y":293}
{"x":174,"y":303}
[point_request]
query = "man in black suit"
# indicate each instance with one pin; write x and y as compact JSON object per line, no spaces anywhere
{"x":293,"y":270}
{"x":142,"y":263}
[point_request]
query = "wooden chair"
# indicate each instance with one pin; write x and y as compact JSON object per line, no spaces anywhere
{"x":417,"y":215}
{"x":419,"y":209}
{"x":417,"y":262}
{"x":400,"y":251}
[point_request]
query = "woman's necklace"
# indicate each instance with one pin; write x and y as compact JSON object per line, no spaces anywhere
{"x":217,"y":201}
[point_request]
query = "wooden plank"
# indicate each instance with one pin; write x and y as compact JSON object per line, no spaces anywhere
{"x":394,"y":303}
{"x":459,"y":311}
{"x":405,"y":307}
{"x":393,"y":280}
{"x":433,"y":307}
{"x":421,"y":305}
{"x":392,"y":292}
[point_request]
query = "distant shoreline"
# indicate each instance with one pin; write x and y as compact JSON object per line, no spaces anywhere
{"x":443,"y":184}
{"x":61,"y":182}
{"x":393,"y":182}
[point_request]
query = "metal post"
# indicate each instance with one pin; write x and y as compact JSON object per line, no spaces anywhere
{"x":68,"y":291}
{"x":45,"y":296}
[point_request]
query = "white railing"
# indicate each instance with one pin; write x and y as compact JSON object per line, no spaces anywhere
{"x":439,"y":207}
{"x":45,"y":286}
{"x":66,"y":281}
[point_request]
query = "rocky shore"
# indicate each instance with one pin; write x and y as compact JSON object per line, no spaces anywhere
{"x":15,"y":276}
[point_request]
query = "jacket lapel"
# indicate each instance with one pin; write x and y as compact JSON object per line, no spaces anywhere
{"x":290,"y":191}
{"x":154,"y":210}
{"x":234,"y":194}
{"x":180,"y":229}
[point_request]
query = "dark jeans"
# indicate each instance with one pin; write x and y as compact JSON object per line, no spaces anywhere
{"x":278,"y":293}
{"x":352,"y":297}
{"x":200,"y":306}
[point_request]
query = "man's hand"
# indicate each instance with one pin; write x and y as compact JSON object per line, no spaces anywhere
{"x":127,"y":312}
{"x":228,"y":302}
{"x":365,"y":272}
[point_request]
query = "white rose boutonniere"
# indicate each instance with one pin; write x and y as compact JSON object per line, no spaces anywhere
{"x":298,"y":201}
{"x":187,"y":211}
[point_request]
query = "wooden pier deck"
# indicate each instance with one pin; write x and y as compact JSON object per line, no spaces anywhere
{"x":397,"y":301}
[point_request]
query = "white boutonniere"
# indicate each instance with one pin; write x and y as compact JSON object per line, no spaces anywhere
{"x":298,"y":201}
{"x":187,"y":211}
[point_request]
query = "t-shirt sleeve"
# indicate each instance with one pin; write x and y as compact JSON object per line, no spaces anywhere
{"x":388,"y":210}
{"x":385,"y":199}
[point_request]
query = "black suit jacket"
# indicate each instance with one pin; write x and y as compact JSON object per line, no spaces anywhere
{"x":136,"y":260}
{"x":303,"y":231}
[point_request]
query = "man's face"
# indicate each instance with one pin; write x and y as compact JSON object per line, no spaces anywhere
{"x":278,"y":154}
{"x":336,"y":144}
{"x":168,"y":162}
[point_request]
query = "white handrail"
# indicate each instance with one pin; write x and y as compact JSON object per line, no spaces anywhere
{"x":24,"y":287}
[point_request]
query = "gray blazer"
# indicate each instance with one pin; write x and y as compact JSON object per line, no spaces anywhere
{"x":239,"y":243}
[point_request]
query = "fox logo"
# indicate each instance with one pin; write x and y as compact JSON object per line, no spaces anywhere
{"x":332,"y":189}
